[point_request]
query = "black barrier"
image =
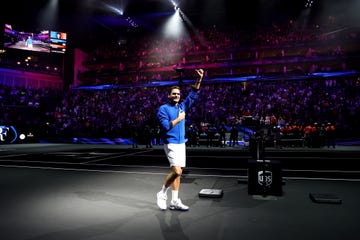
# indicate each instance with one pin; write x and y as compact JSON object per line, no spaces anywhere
{"x":257,"y":147}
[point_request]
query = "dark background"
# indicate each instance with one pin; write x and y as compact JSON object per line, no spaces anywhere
{"x":93,"y":21}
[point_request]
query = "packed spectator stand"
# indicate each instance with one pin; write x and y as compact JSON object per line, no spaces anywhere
{"x":269,"y":76}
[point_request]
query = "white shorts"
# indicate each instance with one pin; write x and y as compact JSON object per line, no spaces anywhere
{"x":176,"y":154}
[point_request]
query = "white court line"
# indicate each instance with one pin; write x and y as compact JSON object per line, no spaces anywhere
{"x":322,"y":171}
{"x":165,"y":174}
{"x":167,"y":167}
{"x":114,"y":171}
{"x":37,"y":161}
{"x":118,"y":165}
{"x":125,"y":155}
{"x":14,"y":155}
{"x":325,"y":179}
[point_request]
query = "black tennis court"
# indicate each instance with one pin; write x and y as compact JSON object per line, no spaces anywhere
{"x":80,"y":191}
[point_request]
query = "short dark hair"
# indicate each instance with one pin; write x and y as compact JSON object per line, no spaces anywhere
{"x":173,"y":87}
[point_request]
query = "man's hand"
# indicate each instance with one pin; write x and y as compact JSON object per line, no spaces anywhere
{"x":181,"y":115}
{"x":200,"y":72}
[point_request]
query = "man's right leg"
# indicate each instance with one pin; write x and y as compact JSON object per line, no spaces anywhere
{"x":162,"y":195}
{"x":176,"y":203}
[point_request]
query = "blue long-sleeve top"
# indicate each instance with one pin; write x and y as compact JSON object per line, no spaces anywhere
{"x":169,"y":112}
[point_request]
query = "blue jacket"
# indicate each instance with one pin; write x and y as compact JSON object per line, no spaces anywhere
{"x":169,"y":112}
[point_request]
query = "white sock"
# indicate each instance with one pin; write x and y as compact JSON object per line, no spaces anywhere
{"x":174,"y":195}
{"x":164,"y":189}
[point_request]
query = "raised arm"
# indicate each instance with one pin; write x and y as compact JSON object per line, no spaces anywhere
{"x":200,"y":72}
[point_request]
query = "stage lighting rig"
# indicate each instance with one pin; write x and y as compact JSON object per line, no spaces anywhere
{"x":309,"y":3}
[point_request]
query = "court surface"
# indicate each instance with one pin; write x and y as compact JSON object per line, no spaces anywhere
{"x":79,"y":191}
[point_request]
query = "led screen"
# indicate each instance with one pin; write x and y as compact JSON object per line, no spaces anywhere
{"x":44,"y":41}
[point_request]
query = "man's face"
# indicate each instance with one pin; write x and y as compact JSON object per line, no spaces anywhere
{"x":175,"y":95}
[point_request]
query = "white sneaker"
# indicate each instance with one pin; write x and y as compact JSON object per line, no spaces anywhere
{"x":178,"y":205}
{"x":161,"y":200}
